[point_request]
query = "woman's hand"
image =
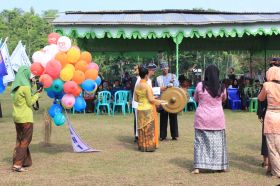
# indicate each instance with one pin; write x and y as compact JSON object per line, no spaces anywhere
{"x":40,"y":90}
{"x":163,"y":102}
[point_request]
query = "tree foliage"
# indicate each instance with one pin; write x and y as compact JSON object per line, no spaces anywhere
{"x":29,"y":27}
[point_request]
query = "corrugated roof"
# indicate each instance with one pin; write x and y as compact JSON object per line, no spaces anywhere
{"x":163,"y":17}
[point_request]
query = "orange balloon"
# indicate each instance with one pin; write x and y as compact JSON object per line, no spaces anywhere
{"x":81,"y":65}
{"x":62,"y":58}
{"x":79,"y":77}
{"x":77,"y":92}
{"x":91,"y":74}
{"x":73,"y":55}
{"x":86,"y":56}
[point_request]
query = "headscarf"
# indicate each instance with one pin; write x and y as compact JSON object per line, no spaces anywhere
{"x":22,"y":78}
{"x":273,"y":74}
{"x":211,"y":81}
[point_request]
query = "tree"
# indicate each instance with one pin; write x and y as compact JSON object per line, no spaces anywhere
{"x":28,"y":27}
{"x":50,"y":15}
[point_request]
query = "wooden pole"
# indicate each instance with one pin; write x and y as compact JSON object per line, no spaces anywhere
{"x":1,"y":111}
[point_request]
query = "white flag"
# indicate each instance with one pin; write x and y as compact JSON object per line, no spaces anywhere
{"x":6,"y":56}
{"x":19,"y":57}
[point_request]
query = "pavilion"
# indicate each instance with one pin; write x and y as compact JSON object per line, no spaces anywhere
{"x":171,"y":30}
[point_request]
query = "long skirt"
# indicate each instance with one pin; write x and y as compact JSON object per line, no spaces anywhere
{"x":146,"y":131}
{"x":273,"y":144}
{"x":22,"y":156}
{"x":210,"y":150}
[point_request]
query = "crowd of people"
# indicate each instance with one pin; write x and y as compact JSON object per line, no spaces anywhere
{"x":210,"y":144}
{"x":112,"y":87}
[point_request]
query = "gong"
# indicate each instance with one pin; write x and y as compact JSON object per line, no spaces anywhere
{"x":176,"y":99}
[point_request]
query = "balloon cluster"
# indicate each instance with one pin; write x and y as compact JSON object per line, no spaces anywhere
{"x":65,"y":72}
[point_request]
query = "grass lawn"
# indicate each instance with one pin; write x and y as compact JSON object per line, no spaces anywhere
{"x":120,"y":163}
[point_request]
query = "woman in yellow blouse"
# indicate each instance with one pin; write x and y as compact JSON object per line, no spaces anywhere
{"x":143,"y":94}
{"x":23,"y":117}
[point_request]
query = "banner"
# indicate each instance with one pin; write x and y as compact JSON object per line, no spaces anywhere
{"x":19,"y":57}
{"x":77,"y":143}
{"x":6,"y":57}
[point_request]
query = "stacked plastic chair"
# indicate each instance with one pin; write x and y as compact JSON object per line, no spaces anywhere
{"x":234,"y":100}
{"x":121,"y":99}
{"x":103,"y":99}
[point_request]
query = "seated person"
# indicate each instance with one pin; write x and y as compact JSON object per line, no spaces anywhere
{"x":256,"y":88}
{"x":234,"y":84}
{"x":89,"y":97}
{"x":116,"y":87}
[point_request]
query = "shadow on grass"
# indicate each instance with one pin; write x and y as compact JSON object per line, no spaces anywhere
{"x":50,"y":149}
{"x":245,"y":163}
{"x":254,"y":146}
{"x":41,"y":148}
{"x":8,"y":160}
{"x":183,"y":163}
{"x":127,"y":142}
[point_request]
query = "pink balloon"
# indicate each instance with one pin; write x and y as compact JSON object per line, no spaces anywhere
{"x":53,"y":68}
{"x":93,"y":66}
{"x":53,"y":38}
{"x":46,"y":80}
{"x":70,"y":87}
{"x":68,"y":100}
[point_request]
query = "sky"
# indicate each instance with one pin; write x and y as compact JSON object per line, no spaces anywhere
{"x":97,"y":5}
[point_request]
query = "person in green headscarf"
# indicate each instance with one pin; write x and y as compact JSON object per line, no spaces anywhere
{"x":23,"y":117}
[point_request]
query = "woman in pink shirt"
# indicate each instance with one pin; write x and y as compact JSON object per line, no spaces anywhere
{"x":210,"y":149}
{"x":271,"y":91}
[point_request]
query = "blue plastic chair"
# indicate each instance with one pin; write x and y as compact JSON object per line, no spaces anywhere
{"x":73,"y":111}
{"x":234,"y":100}
{"x":191,"y":100}
{"x":121,"y":99}
{"x":103,"y":99}
{"x":191,"y":92}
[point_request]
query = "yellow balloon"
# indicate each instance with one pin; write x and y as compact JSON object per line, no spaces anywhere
{"x":70,"y":66}
{"x":66,"y":74}
{"x":73,"y":55}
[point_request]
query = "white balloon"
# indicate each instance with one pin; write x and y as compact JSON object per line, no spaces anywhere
{"x":45,"y":60}
{"x":64,"y":43}
{"x":51,"y":50}
{"x":37,"y":56}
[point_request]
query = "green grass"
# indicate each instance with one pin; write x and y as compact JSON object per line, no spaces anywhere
{"x":120,"y":163}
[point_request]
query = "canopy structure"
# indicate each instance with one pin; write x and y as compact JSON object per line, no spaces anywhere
{"x":171,"y":30}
